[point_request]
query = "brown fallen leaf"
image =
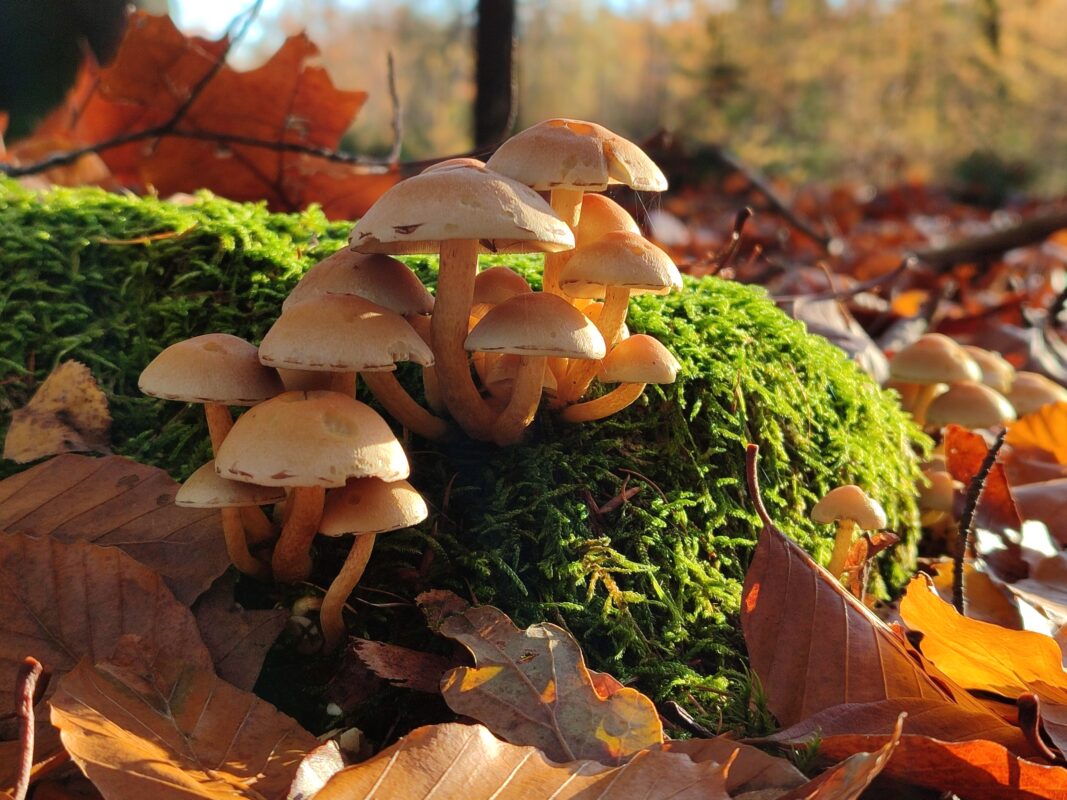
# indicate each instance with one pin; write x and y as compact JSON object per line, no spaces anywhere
{"x":315,"y":769}
{"x":532,"y":687}
{"x":964,"y":453}
{"x":145,"y":725}
{"x":68,"y":413}
{"x":751,"y":770}
{"x":116,"y":502}
{"x":402,"y":666}
{"x":467,"y":761}
{"x":986,"y":599}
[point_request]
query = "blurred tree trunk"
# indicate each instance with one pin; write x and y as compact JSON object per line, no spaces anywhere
{"x":494,"y":103}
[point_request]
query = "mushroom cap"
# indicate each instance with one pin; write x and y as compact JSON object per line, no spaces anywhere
{"x":537,"y":324}
{"x":997,"y":371}
{"x":850,"y":502}
{"x":205,"y":488}
{"x":459,"y":161}
{"x":371,"y":505}
{"x":495,"y":285}
{"x":601,"y":215}
{"x":342,"y":333}
{"x":310,"y":439}
{"x":639,"y":359}
{"x":572,"y":154}
{"x":940,"y":494}
{"x":460,"y":203}
{"x":1032,"y":390}
{"x":373,"y":276}
{"x":970,"y":404}
{"x":213,"y":368}
{"x":620,"y":259}
{"x":934,"y":358}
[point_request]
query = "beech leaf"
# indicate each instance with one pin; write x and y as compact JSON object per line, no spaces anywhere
{"x":532,"y":687}
{"x":750,"y":770}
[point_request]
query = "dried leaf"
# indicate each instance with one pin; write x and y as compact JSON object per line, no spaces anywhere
{"x":68,"y":413}
{"x":403,"y":667}
{"x":146,"y":725}
{"x":964,"y":453}
{"x":117,"y":502}
{"x":750,"y":769}
{"x":438,"y":605}
{"x":532,"y":687}
{"x":318,"y":766}
{"x":831,"y":320}
{"x":467,"y":761}
{"x":987,"y":600}
{"x":1043,"y":430}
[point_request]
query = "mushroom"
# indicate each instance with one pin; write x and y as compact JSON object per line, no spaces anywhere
{"x":633,"y":363}
{"x":972,"y":405}
{"x":997,"y":371}
{"x":850,"y":507}
{"x":932,"y":360}
{"x":1032,"y":390}
{"x":363,"y":507}
{"x":601,"y":215}
{"x":383,"y":280}
{"x":458,"y":211}
{"x":308,"y":441}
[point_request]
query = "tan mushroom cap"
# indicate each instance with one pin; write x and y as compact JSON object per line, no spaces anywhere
{"x":934,"y":358}
{"x":940,"y":494}
{"x":213,"y":368}
{"x":460,"y":161}
{"x":572,"y":154}
{"x":1032,"y":390}
{"x":621,"y":259}
{"x":537,"y":324}
{"x":460,"y":203}
{"x":311,"y":439}
{"x":495,"y":285}
{"x":970,"y":404}
{"x":206,"y":489}
{"x":997,"y":371}
{"x":601,"y":215}
{"x":376,"y":277}
{"x":850,"y":502}
{"x":371,"y":505}
{"x":342,"y":333}
{"x":639,"y":359}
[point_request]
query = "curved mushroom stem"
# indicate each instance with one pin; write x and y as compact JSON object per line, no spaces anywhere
{"x":842,"y":544}
{"x":400,"y":405}
{"x":525,"y":397}
{"x":344,"y":383}
{"x":451,"y":315}
{"x":605,"y":405}
{"x":421,"y":324}
{"x":612,"y":318}
{"x":567,"y":203}
{"x":292,"y":555}
{"x":331,"y":614}
{"x":256,"y":526}
{"x":922,"y":402}
{"x":219,"y":421}
{"x":237,"y":546}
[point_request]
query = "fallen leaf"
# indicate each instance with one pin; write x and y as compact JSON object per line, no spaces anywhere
{"x":964,"y":453}
{"x":467,"y":761}
{"x":829,"y":319}
{"x":1046,"y":588}
{"x":750,"y":768}
{"x":402,"y":666}
{"x":986,"y":599}
{"x":437,"y":605}
{"x":532,"y":687}
{"x":145,"y":725}
{"x":1043,"y":430}
{"x":68,"y":413}
{"x":237,"y":638}
{"x":315,"y":769}
{"x":116,"y":502}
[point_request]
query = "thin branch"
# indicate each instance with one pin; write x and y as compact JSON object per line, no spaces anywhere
{"x":974,"y":492}
{"x":25,"y":690}
{"x":981,"y":248}
{"x":398,"y":115}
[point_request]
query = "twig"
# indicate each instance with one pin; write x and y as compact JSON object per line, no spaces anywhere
{"x":751,"y":464}
{"x":1029,"y":231}
{"x":726,"y":255}
{"x":1029,"y":709}
{"x":398,"y":116}
{"x":974,"y":491}
{"x":678,"y":716}
{"x":25,"y":690}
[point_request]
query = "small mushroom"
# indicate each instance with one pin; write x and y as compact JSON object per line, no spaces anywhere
{"x":972,"y":405}
{"x":1032,"y":390}
{"x":851,"y":508}
{"x":932,"y":360}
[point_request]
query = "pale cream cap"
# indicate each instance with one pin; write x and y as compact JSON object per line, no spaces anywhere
{"x":850,"y":502}
{"x":997,"y":371}
{"x":495,"y":285}
{"x":639,"y":359}
{"x":934,"y":358}
{"x":537,"y":324}
{"x":206,"y":489}
{"x":620,"y":259}
{"x":972,"y":405}
{"x":1032,"y":390}
{"x":371,"y":505}
{"x":373,"y":276}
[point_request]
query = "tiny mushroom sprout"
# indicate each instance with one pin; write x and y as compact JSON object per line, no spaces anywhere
{"x":309,"y":442}
{"x":851,"y":508}
{"x":1032,"y":390}
{"x":972,"y":405}
{"x":633,"y":363}
{"x":346,"y":334}
{"x":932,"y":360}
{"x":206,"y":489}
{"x":569,"y":157}
{"x":533,"y":326}
{"x":363,"y":507}
{"x":458,"y":211}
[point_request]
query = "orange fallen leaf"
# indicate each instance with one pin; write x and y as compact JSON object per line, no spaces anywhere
{"x":987,"y":600}
{"x":964,"y":453}
{"x":1043,"y":430}
{"x":751,"y":770}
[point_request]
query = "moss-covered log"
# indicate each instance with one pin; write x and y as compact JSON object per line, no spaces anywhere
{"x":650,"y":588}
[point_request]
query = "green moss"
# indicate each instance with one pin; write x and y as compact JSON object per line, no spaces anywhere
{"x":650,"y":589}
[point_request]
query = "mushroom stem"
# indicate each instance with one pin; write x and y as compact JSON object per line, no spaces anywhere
{"x":525,"y":397}
{"x":421,"y":324}
{"x":219,"y":421}
{"x":255,"y":523}
{"x":400,"y":405}
{"x":292,"y":555}
{"x":567,"y":203}
{"x":922,"y":402}
{"x":331,"y":614}
{"x":609,"y":323}
{"x":451,"y":315}
{"x":258,"y":529}
{"x":344,"y":382}
{"x":605,"y":405}
{"x":842,"y":545}
{"x":237,"y":546}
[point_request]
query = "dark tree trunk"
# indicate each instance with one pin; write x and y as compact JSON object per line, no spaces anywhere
{"x":494,"y":103}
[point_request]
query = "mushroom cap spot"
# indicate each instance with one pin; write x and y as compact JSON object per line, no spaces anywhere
{"x":1032,"y":390}
{"x":311,"y":439}
{"x":213,"y":368}
{"x":572,"y":154}
{"x":850,"y":502}
{"x":342,"y":333}
{"x":371,"y":505}
{"x":933,"y":358}
{"x":462,"y":203}
{"x":621,"y":259}
{"x":372,"y":276}
{"x":537,"y":324}
{"x":205,"y":488}
{"x":970,"y":404}
{"x":601,"y":215}
{"x":638,"y":359}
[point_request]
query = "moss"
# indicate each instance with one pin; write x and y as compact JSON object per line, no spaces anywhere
{"x":651,"y":589}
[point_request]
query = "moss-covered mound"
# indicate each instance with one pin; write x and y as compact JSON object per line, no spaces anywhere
{"x":650,"y":587}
